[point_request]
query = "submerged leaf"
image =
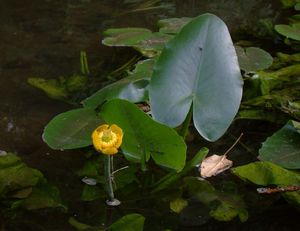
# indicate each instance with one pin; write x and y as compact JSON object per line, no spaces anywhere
{"x":52,"y":87}
{"x":178,"y":205}
{"x":224,"y":206}
{"x":129,"y":222}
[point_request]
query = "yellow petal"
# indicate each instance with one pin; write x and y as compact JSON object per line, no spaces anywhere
{"x":110,"y":151}
{"x":107,"y":147}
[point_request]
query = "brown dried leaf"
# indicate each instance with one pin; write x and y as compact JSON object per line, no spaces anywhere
{"x":213,"y":165}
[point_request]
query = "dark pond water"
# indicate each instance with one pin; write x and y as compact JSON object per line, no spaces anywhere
{"x":43,"y":38}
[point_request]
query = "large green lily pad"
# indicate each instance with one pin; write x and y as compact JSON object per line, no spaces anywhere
{"x":144,"y":137}
{"x":198,"y":67}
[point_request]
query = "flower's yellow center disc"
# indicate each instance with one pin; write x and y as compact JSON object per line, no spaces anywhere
{"x":108,"y":138}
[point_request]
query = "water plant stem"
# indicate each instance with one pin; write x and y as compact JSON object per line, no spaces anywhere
{"x":186,"y":123}
{"x":108,"y":177}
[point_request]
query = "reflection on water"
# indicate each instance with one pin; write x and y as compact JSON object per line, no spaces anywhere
{"x":43,"y":39}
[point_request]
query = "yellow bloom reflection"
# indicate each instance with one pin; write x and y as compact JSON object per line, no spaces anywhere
{"x":107,"y":139}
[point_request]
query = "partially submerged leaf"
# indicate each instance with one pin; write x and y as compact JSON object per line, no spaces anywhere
{"x":199,"y":69}
{"x":214,"y":165}
{"x":71,"y":129}
{"x":282,"y":148}
{"x":26,"y":186}
{"x":43,"y":196}
{"x":52,"y":87}
{"x":15,"y":175}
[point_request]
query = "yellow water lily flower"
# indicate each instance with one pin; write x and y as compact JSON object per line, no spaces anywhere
{"x":107,"y":139}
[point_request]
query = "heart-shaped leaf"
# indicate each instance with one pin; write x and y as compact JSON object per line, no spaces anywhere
{"x":143,"y":136}
{"x":71,"y":129}
{"x":289,"y":31}
{"x":200,"y":67}
{"x":253,"y":58}
{"x":283,"y":148}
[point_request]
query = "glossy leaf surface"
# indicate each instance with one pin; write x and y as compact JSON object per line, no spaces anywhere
{"x":283,"y":148}
{"x":144,"y":137}
{"x":199,"y":66}
{"x":71,"y":129}
{"x":266,"y":173}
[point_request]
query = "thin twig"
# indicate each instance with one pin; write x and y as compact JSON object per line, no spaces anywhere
{"x":232,"y":146}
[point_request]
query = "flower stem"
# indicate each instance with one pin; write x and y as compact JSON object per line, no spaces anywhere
{"x":112,"y":201}
{"x":108,"y":177}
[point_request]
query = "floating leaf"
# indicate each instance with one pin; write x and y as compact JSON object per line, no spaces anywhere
{"x":144,"y":137}
{"x":125,"y":36}
{"x":214,"y":165}
{"x":143,"y":40}
{"x":282,"y":148}
{"x":253,"y":58}
{"x":172,"y":25}
{"x":71,"y":129}
{"x":289,"y":31}
{"x":152,"y":46}
{"x":197,"y":67}
{"x":266,"y":173}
